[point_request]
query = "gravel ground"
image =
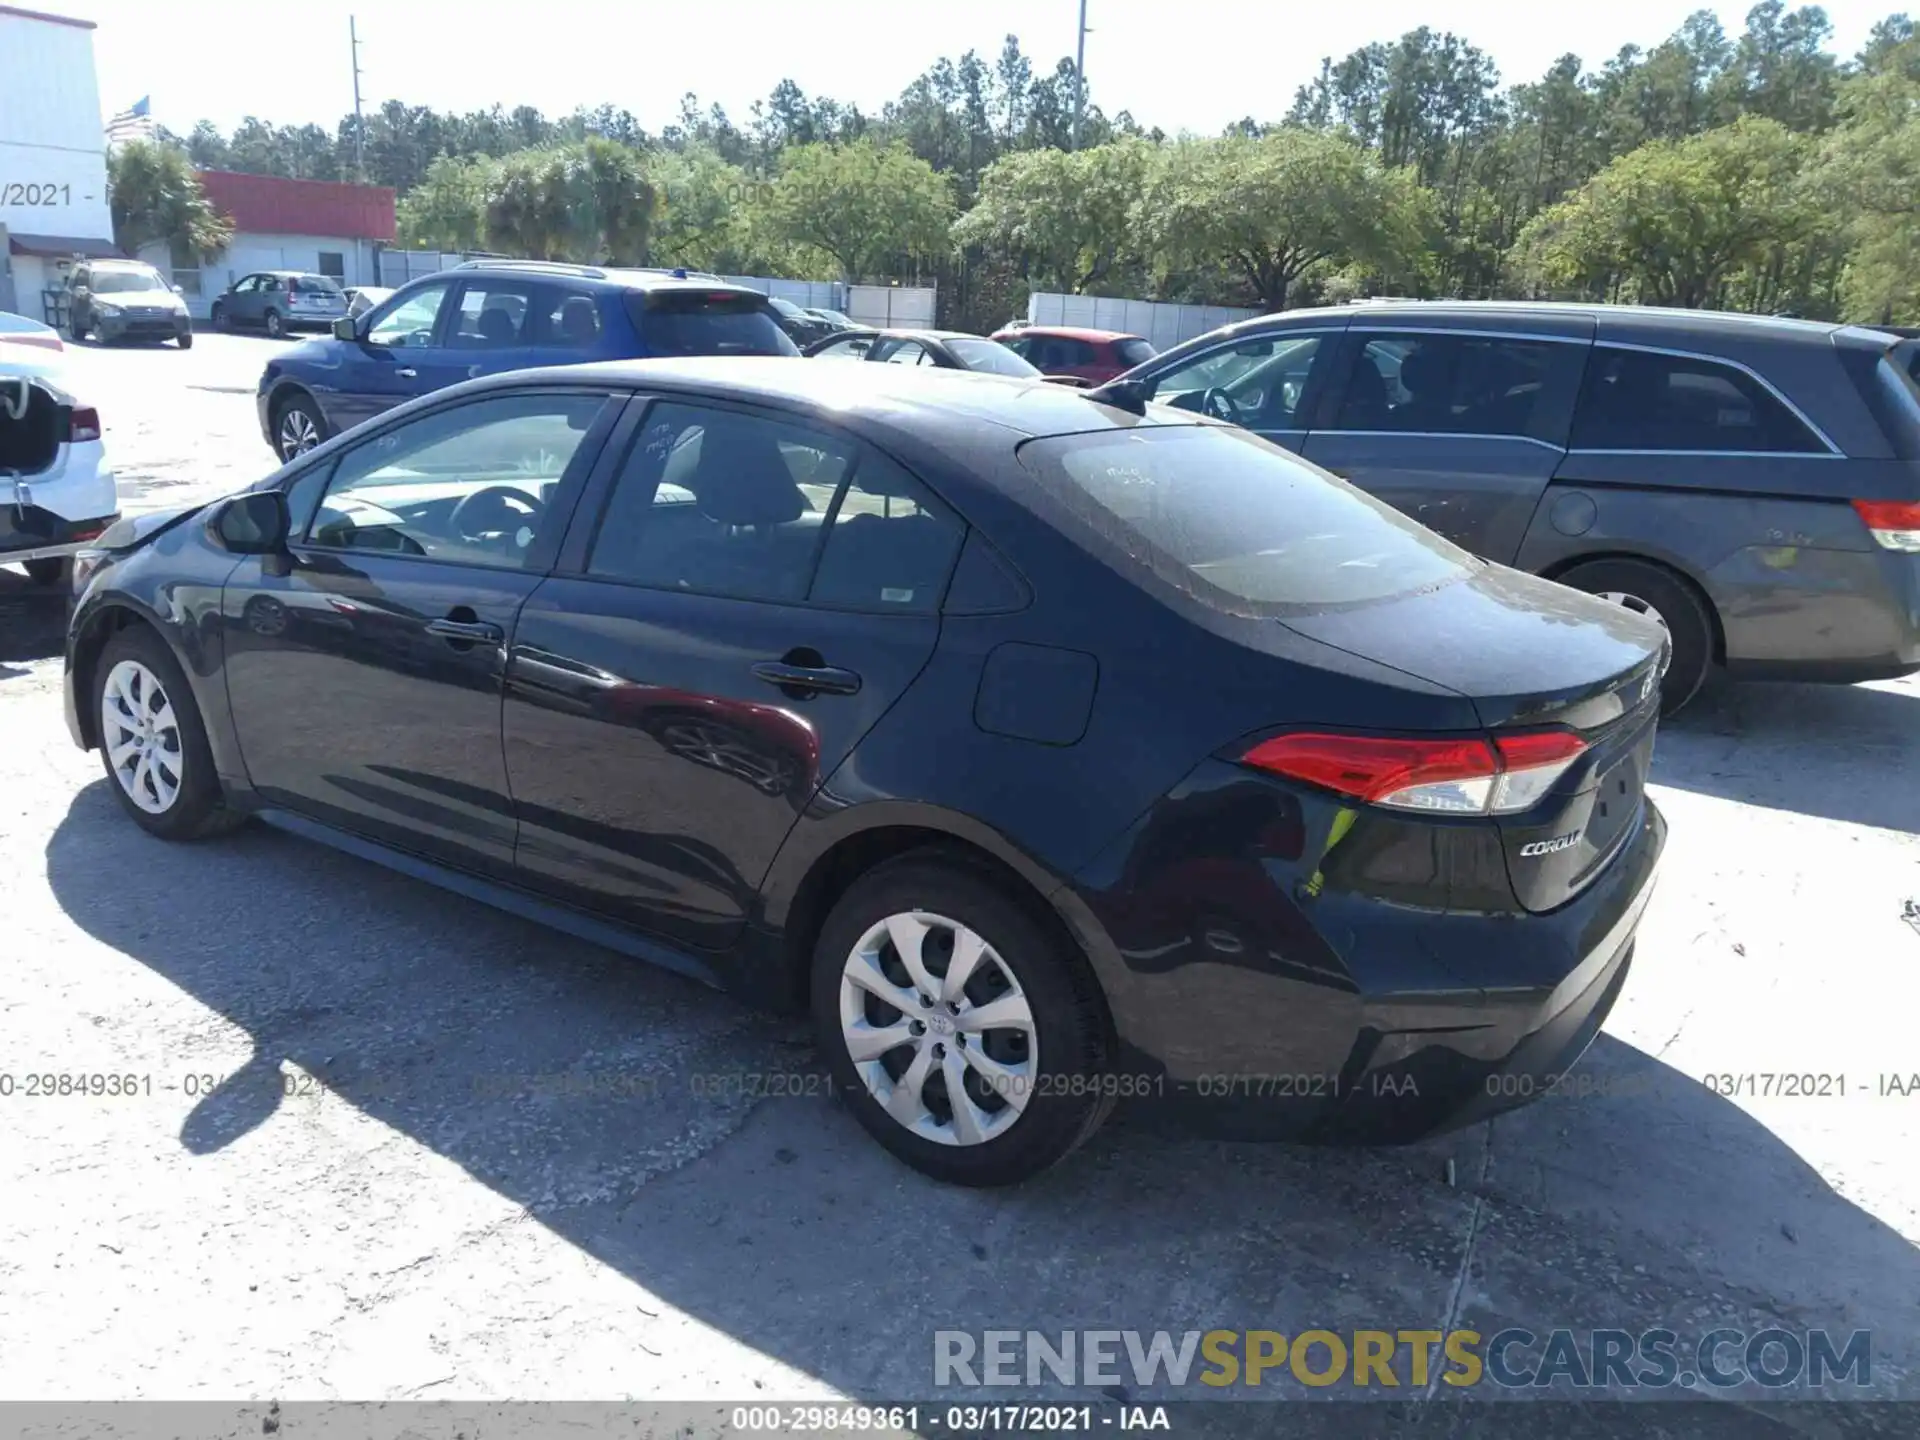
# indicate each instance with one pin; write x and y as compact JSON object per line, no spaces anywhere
{"x":389,"y":1144}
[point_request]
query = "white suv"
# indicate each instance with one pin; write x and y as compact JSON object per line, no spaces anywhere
{"x":57,"y":490}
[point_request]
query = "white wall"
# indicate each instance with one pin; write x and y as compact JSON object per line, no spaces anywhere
{"x":53,"y":162}
{"x":250,"y":252}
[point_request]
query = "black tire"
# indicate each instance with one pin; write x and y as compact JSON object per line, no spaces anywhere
{"x":1675,"y":602}
{"x":276,"y":327}
{"x":217,"y":316}
{"x":199,"y":810}
{"x":49,"y":572}
{"x":1067,"y":1101}
{"x":304,"y":404}
{"x":186,"y":342}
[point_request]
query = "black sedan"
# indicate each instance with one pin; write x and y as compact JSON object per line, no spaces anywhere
{"x":1052,"y":749}
{"x":941,"y":349}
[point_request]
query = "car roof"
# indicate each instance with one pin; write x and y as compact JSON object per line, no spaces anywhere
{"x":1072,"y":332}
{"x":606,"y":277}
{"x":913,"y":396}
{"x":1617,"y":319}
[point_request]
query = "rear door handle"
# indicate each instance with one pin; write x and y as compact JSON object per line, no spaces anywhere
{"x":818,"y":679}
{"x":472,"y":632}
{"x":407,"y":372}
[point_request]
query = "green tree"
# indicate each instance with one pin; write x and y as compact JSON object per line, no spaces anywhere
{"x":1676,"y":221}
{"x":1067,"y":219}
{"x":156,"y":197}
{"x":1279,"y":207}
{"x":447,"y":210}
{"x":867,"y":207}
{"x":589,"y":202}
{"x":1869,"y":174}
{"x":701,"y":214}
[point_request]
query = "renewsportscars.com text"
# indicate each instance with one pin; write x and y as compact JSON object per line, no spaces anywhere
{"x":1404,"y":1359}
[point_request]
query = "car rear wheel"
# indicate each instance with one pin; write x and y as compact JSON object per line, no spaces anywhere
{"x":276,"y":327}
{"x":968,"y":1041}
{"x":153,"y":743}
{"x":298,"y":426}
{"x":1670,"y":603}
{"x":50,"y":571}
{"x":218,"y":316}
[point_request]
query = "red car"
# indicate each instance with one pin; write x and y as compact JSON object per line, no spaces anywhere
{"x":1095,"y":356}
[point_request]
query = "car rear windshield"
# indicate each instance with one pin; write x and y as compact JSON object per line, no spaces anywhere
{"x":1135,"y":352}
{"x":1234,"y":521}
{"x":316,"y":285}
{"x":700,"y":322}
{"x":126,"y":282}
{"x":990,"y":356}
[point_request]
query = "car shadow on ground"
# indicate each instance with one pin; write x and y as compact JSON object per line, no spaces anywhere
{"x":33,"y":619}
{"x":607,"y":1099}
{"x":1840,"y":752}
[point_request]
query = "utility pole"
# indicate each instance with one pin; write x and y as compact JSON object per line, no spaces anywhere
{"x":1079,"y":78}
{"x":359,"y":125}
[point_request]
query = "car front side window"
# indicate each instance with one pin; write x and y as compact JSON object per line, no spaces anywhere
{"x":408,"y":322}
{"x":470,"y":484}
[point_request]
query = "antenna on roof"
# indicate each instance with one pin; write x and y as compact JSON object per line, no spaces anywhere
{"x":1128,"y":395}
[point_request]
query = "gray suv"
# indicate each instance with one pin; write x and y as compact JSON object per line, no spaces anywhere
{"x":1752,"y":484}
{"x":277,"y":301}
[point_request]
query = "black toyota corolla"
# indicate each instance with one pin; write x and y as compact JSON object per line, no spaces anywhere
{"x":1052,"y":749}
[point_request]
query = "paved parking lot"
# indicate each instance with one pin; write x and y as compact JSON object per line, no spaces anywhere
{"x":387,"y":1144}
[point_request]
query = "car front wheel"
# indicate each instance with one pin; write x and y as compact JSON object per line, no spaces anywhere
{"x":968,"y":1040}
{"x":153,"y":743}
{"x":298,"y":426}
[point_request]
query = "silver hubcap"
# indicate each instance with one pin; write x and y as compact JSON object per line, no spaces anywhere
{"x":938,"y":1029}
{"x":298,"y":433}
{"x":1633,"y":603}
{"x":141,"y":737}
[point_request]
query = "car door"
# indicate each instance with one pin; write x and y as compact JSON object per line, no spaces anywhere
{"x":1268,"y":383}
{"x":1459,"y":428}
{"x":241,"y":304}
{"x":364,"y":667}
{"x":396,"y":354}
{"x":747,"y":594}
{"x":488,"y":329}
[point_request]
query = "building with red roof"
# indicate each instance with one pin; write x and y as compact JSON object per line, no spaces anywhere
{"x":319,"y":226}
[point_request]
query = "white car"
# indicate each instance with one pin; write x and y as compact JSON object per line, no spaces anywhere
{"x":19,"y":330}
{"x":57,"y":491}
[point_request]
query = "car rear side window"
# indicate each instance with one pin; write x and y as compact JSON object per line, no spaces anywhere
{"x":572,"y":322}
{"x":703,"y":322}
{"x":1451,"y":385}
{"x":1134,"y":352}
{"x":1232,"y":520}
{"x":1651,"y":400}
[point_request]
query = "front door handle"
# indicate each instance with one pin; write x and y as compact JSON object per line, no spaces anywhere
{"x":467,"y":632}
{"x":813,"y":679}
{"x":407,"y":372}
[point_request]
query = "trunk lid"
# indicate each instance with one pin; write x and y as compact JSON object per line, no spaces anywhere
{"x":1530,"y":654}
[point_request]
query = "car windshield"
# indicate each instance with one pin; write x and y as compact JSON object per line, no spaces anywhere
{"x":1234,"y":521}
{"x":699,"y":322}
{"x":990,"y":356}
{"x":126,"y":282}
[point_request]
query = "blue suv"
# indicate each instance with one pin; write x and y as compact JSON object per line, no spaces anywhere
{"x":487,"y":316}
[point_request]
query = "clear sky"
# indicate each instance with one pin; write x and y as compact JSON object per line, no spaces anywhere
{"x":1193,"y":66}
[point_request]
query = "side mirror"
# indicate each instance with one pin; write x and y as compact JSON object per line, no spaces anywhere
{"x":177,"y":289}
{"x":346,"y":328}
{"x":257,"y":523}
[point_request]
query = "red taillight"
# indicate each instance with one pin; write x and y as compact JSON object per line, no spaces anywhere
{"x":1452,"y":777}
{"x":1895,"y":524}
{"x":84,"y":425}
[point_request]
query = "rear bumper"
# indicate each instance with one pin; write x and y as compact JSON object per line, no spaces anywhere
{"x":1253,"y":1003}
{"x":34,"y":533}
{"x":1840,"y":616}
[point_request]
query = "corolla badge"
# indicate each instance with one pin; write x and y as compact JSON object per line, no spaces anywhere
{"x":1547,"y":847}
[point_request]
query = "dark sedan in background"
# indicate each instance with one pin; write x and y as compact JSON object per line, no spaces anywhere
{"x":1051,"y":748}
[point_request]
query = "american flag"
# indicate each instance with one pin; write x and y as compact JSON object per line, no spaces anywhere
{"x":133,"y":123}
